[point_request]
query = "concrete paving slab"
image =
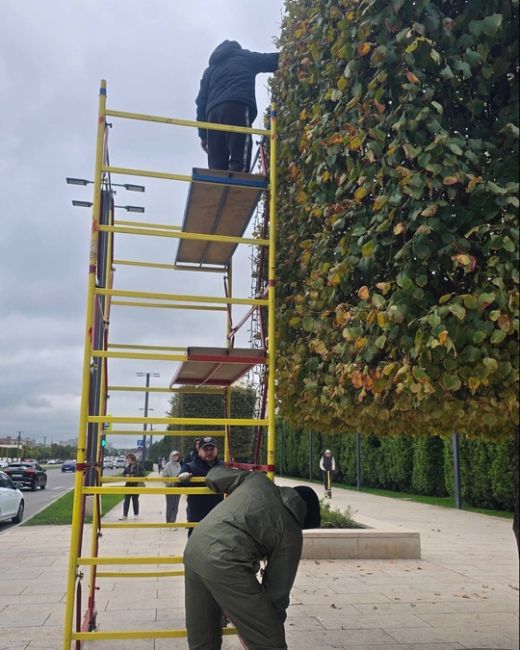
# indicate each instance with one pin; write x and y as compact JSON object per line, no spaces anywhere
{"x":463,"y":593}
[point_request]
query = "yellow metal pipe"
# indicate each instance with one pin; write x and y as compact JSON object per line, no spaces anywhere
{"x":171,"y":267}
{"x":145,"y":224}
{"x":178,"y":122}
{"x":137,"y":389}
{"x":90,"y":305}
{"x":149,"y":479}
{"x":163,"y":305}
{"x":186,"y":524}
{"x":151,"y":490}
{"x":195,"y":236}
{"x":220,"y":422}
{"x":127,"y":346}
{"x":125,"y":560}
{"x":138,"y":634}
{"x":139,"y":574}
{"x":138,"y":355}
{"x":271,"y":330}
{"x":229,"y":283}
{"x":178,"y":296}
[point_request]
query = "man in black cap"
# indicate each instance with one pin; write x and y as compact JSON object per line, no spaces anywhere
{"x":200,"y":504}
{"x":227,"y":96}
{"x":258,"y":521}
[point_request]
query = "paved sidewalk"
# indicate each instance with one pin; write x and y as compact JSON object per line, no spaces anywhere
{"x":462,"y":594}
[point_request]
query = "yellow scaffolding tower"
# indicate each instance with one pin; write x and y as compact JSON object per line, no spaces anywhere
{"x":204,"y":245}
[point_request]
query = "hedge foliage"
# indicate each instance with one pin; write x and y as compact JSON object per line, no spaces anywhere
{"x":398,"y":199}
{"x":205,"y":405}
{"x":421,"y":465}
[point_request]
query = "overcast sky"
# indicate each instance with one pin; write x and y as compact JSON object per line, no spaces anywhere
{"x":52,"y":57}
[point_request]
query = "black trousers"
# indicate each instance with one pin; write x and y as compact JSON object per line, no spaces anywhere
{"x":135,"y":504}
{"x":228,"y":150}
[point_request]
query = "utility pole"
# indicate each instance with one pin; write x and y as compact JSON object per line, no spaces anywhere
{"x":19,"y":444}
{"x":146,"y":394}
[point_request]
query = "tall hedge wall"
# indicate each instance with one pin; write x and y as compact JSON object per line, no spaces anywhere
{"x":420,"y":465}
{"x":398,"y":238}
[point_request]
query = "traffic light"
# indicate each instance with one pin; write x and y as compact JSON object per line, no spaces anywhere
{"x":103,"y":440}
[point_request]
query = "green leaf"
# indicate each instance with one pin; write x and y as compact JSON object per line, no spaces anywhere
{"x":380,"y":341}
{"x":498,"y":336}
{"x":490,"y":363}
{"x":404,"y":281}
{"x":308,"y":324}
{"x":450,"y":381}
{"x":458,"y":311}
{"x":491,"y":24}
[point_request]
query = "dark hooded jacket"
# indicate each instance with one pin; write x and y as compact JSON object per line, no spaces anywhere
{"x":258,"y":521}
{"x":230,"y":77}
{"x":198,"y":505}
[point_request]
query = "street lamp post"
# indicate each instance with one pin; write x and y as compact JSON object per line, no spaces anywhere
{"x":146,"y":394}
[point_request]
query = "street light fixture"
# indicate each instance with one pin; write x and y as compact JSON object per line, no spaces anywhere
{"x":128,"y":186}
{"x":128,"y":208}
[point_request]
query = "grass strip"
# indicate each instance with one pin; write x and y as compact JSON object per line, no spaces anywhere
{"x":59,"y":513}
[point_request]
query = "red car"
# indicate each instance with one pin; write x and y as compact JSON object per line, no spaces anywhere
{"x":29,"y":475}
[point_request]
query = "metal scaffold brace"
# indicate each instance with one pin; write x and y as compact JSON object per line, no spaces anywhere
{"x":219,"y":209}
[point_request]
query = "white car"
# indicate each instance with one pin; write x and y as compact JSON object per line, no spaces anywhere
{"x":11,"y":500}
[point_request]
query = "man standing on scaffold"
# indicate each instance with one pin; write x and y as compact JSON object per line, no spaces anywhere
{"x":327,"y":466}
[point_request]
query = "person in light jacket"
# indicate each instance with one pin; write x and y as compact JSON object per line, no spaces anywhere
{"x":258,"y":521}
{"x":327,"y":466}
{"x":172,"y":469}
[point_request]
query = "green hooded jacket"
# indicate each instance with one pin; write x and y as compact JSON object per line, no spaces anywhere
{"x":258,"y":521}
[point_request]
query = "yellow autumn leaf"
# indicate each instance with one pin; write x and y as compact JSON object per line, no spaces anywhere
{"x":360,"y":343}
{"x":475,"y":180}
{"x":379,"y":203}
{"x":363,"y":49}
{"x":303,"y":114}
{"x":301,"y":197}
{"x":399,"y":228}
{"x":381,"y":319}
{"x":443,"y":337}
{"x":325,"y":176}
{"x":360,"y":193}
{"x":355,"y":143}
{"x":363,"y":293}
{"x":293,"y":171}
{"x":335,"y":279}
{"x":384,"y":287}
{"x":450,"y":180}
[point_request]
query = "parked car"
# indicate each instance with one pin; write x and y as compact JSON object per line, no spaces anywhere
{"x":108,"y":464}
{"x":11,"y":500}
{"x":54,"y":461}
{"x":3,"y":463}
{"x":120,"y":463}
{"x":29,"y":475}
{"x":69,"y":466}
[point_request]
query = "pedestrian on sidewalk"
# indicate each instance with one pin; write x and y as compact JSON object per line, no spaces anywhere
{"x":133,"y":468}
{"x":327,"y":466}
{"x":258,"y":521}
{"x":172,"y":469}
{"x":194,"y":451}
{"x":227,"y":96}
{"x":200,"y":504}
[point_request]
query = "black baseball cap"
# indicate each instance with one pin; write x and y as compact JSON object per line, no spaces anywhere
{"x":208,"y":442}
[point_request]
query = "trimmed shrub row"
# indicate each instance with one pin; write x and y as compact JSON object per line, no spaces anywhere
{"x":416,"y":465}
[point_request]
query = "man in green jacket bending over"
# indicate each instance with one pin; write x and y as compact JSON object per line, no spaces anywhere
{"x":258,"y":521}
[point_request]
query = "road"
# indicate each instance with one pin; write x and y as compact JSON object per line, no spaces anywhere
{"x":58,"y":483}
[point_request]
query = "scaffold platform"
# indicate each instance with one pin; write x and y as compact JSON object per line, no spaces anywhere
{"x":216,"y":366}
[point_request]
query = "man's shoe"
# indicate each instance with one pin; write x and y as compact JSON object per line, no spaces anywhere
{"x":123,"y":518}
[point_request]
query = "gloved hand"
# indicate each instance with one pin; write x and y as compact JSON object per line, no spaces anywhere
{"x":184,"y":477}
